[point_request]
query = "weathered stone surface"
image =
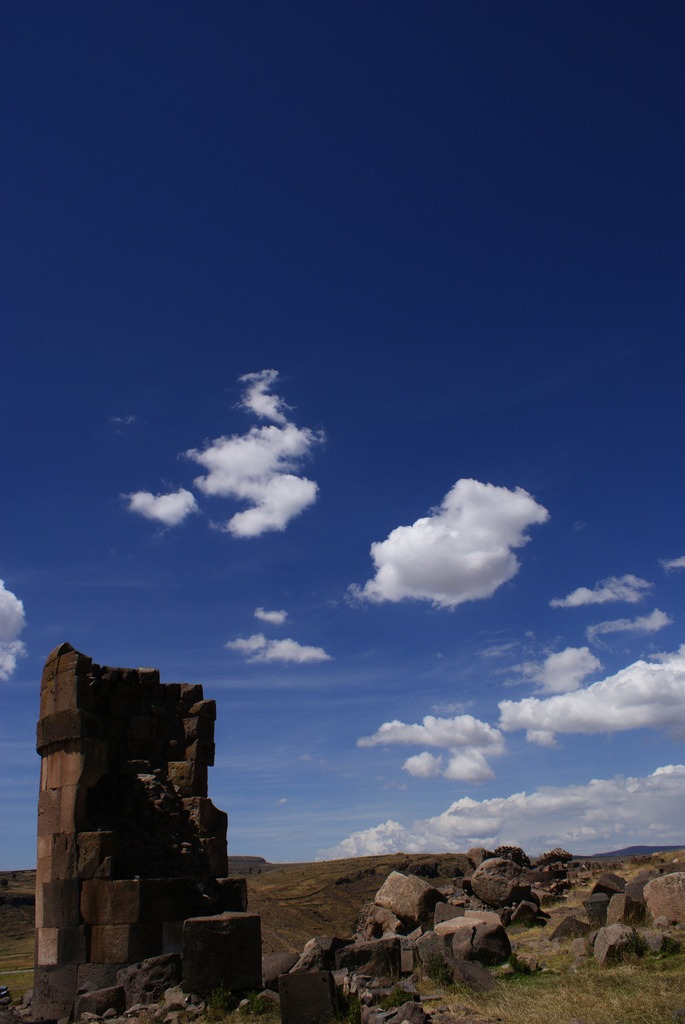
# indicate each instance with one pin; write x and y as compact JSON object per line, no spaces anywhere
{"x":612,"y":943}
{"x":381,"y":958}
{"x":623,"y":909}
{"x":222,"y":951}
{"x":110,"y":902}
{"x":381,"y":921}
{"x":570,"y":928}
{"x":54,"y":990}
{"x":307,"y":998}
{"x":525,"y":913}
{"x":499,"y":882}
{"x":609,"y":883}
{"x":477,"y":854}
{"x":100,"y":1000}
{"x":122,"y":860}
{"x":486,"y":942}
{"x":433,"y":950}
{"x":146,"y":982}
{"x":474,"y":975}
{"x":665,"y":897}
{"x":409,"y":897}
{"x":596,"y":907}
{"x":319,"y":954}
{"x":232,"y":894}
{"x":445,"y":912}
{"x":275,"y":964}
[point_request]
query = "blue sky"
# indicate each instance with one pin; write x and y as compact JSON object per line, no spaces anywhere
{"x":342,"y":374}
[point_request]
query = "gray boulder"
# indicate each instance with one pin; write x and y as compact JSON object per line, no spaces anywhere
{"x":665,"y":897}
{"x":613,"y":943}
{"x":409,"y":898}
{"x":481,"y":940}
{"x":499,"y":882}
{"x":609,"y":883}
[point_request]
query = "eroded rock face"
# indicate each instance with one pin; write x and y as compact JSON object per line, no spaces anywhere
{"x":665,"y":896}
{"x":499,"y":882}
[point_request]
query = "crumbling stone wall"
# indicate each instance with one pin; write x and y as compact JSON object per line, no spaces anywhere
{"x":129,"y":845}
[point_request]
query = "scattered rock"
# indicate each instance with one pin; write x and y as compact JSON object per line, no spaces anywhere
{"x":409,"y":898}
{"x":665,"y":896}
{"x":613,"y":943}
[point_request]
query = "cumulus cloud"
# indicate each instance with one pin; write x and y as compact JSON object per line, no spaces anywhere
{"x":615,"y":588}
{"x":462,"y":551}
{"x":260,"y":467}
{"x":466,"y":738}
{"x":651,"y":623}
{"x":168,"y":509}
{"x":12,"y":621}
{"x":673,"y":563}
{"x":562,"y":671}
{"x":647,"y":809}
{"x":257,"y":397}
{"x":258,"y":648}
{"x":276,"y":617}
{"x":423,"y":766}
{"x":646,"y":694}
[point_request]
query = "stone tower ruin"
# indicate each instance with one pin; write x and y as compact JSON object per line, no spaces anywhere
{"x":129,"y":845}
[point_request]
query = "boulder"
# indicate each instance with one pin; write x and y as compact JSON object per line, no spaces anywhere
{"x":609,"y":883}
{"x":319,"y":954}
{"x":146,"y":981}
{"x":499,"y":882}
{"x":665,"y":897}
{"x":445,"y":912}
{"x":596,"y":907}
{"x":381,"y":958}
{"x":556,"y":856}
{"x":307,"y":998}
{"x":480,"y":940}
{"x":477,"y":854}
{"x":623,"y":909}
{"x":613,"y":943}
{"x":275,"y":964}
{"x":473,"y":975}
{"x":100,"y":1000}
{"x":380,"y":921}
{"x":408,"y":897}
{"x":525,"y":913}
{"x":570,"y":928}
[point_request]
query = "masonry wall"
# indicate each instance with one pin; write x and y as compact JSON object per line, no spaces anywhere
{"x":129,"y":845}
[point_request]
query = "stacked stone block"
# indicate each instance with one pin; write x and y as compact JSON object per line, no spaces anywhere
{"x":129,"y":845}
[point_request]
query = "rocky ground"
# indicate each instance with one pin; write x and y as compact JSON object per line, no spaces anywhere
{"x":436,"y":951}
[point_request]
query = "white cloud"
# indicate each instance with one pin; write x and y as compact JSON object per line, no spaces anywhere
{"x":642,"y":810}
{"x":642,"y":695}
{"x":12,"y":621}
{"x":466,"y":738}
{"x":257,"y":467}
{"x":276,"y":617}
{"x":168,"y":509}
{"x":461,"y":552}
{"x":673,"y":563}
{"x":615,"y":588}
{"x":651,"y":623}
{"x":257,"y":399}
{"x":562,"y":671}
{"x":258,"y":648}
{"x":423,"y":766}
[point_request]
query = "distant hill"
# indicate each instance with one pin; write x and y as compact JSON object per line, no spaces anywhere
{"x":630,"y":851}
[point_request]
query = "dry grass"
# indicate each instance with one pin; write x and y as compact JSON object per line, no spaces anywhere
{"x":643,"y":992}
